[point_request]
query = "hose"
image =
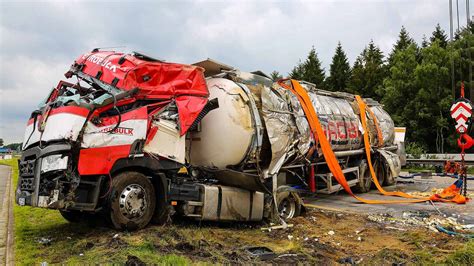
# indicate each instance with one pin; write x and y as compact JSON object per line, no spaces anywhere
{"x":452,"y":233}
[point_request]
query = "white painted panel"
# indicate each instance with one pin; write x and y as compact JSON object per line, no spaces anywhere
{"x":127,"y":132}
{"x":63,"y":126}
{"x":167,"y":142}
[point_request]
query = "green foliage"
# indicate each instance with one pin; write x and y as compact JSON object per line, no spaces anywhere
{"x":297,"y":72}
{"x":14,"y":146}
{"x":339,"y":72}
{"x":368,"y":72}
{"x":1,"y":142}
{"x":440,"y":36}
{"x":310,"y":70}
{"x":462,"y":53}
{"x":414,"y":149}
{"x":275,"y":75}
{"x":464,"y":256}
{"x":403,"y":42}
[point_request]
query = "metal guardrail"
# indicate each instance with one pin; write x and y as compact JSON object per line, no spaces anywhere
{"x":435,"y":161}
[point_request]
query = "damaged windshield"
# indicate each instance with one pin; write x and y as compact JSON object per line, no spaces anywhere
{"x":84,"y":94}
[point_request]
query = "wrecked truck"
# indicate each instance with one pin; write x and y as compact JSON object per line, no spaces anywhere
{"x":133,"y":140}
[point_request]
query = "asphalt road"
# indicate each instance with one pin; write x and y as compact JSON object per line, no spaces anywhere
{"x":6,"y":217}
{"x":344,"y":202}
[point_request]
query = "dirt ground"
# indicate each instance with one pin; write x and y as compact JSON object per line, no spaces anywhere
{"x":322,"y":237}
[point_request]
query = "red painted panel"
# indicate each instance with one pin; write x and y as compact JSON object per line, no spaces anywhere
{"x":99,"y":161}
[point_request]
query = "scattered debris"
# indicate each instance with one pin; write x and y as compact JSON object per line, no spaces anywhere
{"x":347,"y":260}
{"x":275,"y":227}
{"x":45,"y":241}
{"x":262,"y":253}
{"x":331,"y":233}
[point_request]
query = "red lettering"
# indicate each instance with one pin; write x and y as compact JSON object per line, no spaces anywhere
{"x":341,"y":133}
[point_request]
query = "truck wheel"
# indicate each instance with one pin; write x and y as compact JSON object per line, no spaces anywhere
{"x":288,"y":202}
{"x":132,"y":201}
{"x":365,"y":179}
{"x":379,"y":170}
{"x":389,"y":178}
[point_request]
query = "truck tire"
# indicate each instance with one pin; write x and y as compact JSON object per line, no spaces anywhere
{"x":389,"y":178}
{"x":365,"y":179}
{"x":379,"y":170}
{"x":131,"y":203}
{"x":288,"y":202}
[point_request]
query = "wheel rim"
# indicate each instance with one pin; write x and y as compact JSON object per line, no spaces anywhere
{"x":133,"y":201}
{"x":287,"y":208}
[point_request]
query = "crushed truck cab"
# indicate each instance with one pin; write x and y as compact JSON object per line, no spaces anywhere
{"x":136,"y":139}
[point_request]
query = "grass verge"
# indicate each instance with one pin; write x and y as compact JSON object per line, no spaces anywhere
{"x":42,"y":235}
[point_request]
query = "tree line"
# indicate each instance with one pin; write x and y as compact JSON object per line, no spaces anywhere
{"x":413,"y":82}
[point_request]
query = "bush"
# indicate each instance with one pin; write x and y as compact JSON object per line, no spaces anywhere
{"x":415,"y":150}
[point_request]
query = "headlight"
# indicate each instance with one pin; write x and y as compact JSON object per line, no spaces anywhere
{"x":53,"y":162}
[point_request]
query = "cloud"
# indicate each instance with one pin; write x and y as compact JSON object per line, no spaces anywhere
{"x":40,"y":40}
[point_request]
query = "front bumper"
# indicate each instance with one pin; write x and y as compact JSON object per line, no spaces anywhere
{"x":29,"y":167}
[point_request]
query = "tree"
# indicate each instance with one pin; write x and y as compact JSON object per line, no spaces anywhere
{"x":433,"y":99}
{"x":368,"y":73}
{"x":440,"y":35}
{"x":1,"y":142}
{"x":424,"y":42}
{"x":400,"y":89}
{"x":14,"y":146}
{"x":462,"y":53}
{"x":275,"y":75}
{"x":404,"y":40}
{"x":339,"y":71}
{"x":310,"y":70}
{"x":297,"y":72}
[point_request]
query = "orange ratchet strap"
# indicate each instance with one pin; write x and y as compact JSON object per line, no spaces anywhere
{"x":377,"y":127}
{"x":329,"y":155}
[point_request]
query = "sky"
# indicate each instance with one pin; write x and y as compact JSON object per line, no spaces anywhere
{"x":40,"y":40}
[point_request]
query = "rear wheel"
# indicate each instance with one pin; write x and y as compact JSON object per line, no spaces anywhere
{"x":288,"y":203}
{"x":132,"y":201}
{"x":379,"y":170}
{"x":389,"y":177}
{"x":365,"y":179}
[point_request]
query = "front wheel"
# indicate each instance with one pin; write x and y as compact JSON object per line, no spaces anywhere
{"x":132,"y":201}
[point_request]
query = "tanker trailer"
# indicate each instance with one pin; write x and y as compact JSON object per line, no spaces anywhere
{"x":260,"y":131}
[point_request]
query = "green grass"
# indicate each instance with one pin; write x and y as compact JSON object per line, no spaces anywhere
{"x":463,"y":256}
{"x":76,"y":243}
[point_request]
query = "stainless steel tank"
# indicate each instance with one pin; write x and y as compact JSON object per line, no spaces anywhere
{"x":261,"y":125}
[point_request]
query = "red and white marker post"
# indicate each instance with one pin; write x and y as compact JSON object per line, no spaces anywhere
{"x":461,"y":112}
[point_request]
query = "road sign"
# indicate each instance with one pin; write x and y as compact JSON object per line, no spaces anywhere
{"x":461,"y":112}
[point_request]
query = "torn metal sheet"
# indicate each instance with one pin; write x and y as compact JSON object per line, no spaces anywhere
{"x":167,"y":141}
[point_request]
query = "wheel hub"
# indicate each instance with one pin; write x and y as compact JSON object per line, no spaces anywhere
{"x":133,"y":201}
{"x":287,"y":208}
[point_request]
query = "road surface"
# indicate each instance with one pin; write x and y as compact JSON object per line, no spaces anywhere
{"x":6,"y":216}
{"x":343,"y":201}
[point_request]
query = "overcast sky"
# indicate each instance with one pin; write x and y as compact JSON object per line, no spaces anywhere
{"x":39,"y":40}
